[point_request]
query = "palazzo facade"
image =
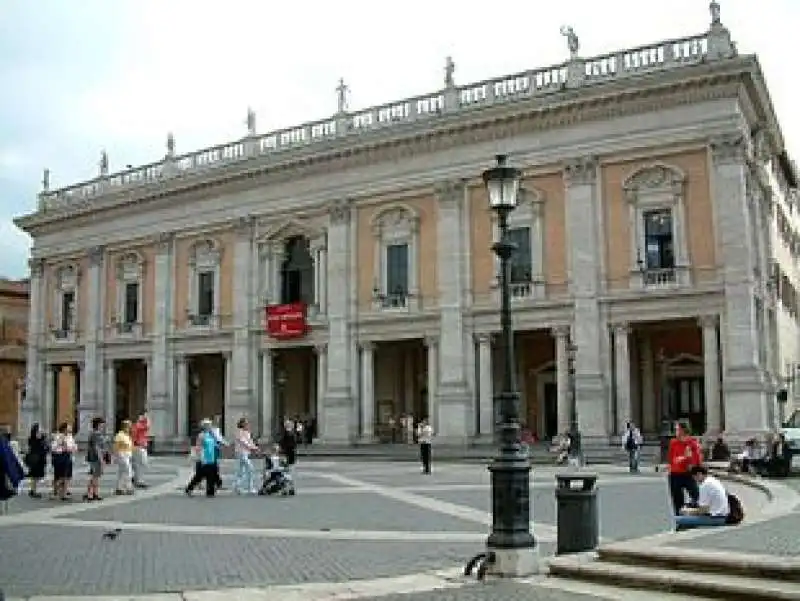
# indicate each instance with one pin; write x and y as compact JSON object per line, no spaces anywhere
{"x":656,"y":232}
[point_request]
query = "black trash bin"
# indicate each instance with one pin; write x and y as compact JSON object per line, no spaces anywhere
{"x":577,"y":520}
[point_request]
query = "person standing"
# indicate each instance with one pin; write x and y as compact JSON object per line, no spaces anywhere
{"x":425,"y":439}
{"x":123,"y":451}
{"x":95,"y":454}
{"x":208,"y":460}
{"x":244,"y":446}
{"x":288,"y":444}
{"x":632,"y":443}
{"x":216,"y":433}
{"x":140,"y":435}
{"x":36,"y":459}
{"x":684,"y":453}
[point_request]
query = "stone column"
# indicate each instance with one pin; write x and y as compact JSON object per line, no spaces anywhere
{"x":318,"y":256}
{"x":110,"y":405}
{"x":321,"y":351}
{"x":241,"y":393}
{"x":367,"y":392}
{"x":584,"y":243}
{"x":31,"y":409}
{"x":267,"y":392}
{"x":337,"y":414}
{"x":744,"y":391}
{"x":182,"y":392}
{"x":651,"y":420}
{"x":432,"y":346}
{"x":622,"y":373}
{"x":90,"y":395}
{"x":561,"y":334}
{"x":231,"y":412}
{"x":148,"y":384}
{"x":454,"y":400}
{"x":486,"y":408}
{"x":708,"y":323}
{"x":49,"y":398}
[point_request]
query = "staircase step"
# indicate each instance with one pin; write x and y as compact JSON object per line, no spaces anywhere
{"x":686,"y":582}
{"x":785,"y":569}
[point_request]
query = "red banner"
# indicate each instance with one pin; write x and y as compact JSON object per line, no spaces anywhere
{"x":287,"y":321}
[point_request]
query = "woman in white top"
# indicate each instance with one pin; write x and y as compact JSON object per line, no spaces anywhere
{"x":244,"y":446}
{"x":61,"y":455}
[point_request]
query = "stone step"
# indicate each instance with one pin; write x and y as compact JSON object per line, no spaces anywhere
{"x":785,"y":569}
{"x":729,"y":587}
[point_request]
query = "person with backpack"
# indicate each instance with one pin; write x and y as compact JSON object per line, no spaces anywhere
{"x":715,"y":505}
{"x":632,"y":443}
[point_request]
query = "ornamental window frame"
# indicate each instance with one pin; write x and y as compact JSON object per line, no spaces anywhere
{"x":530,"y":214}
{"x":205,"y":256}
{"x":130,"y":270}
{"x":395,"y":224}
{"x":652,"y":187}
{"x":67,"y":280}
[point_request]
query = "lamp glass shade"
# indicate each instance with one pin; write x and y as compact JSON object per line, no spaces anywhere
{"x":502,"y":185}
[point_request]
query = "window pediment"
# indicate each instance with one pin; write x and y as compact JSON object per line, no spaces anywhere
{"x":658,"y":179}
{"x":130,"y":267}
{"x":290,"y":228}
{"x":67,"y":276}
{"x":395,"y":220}
{"x":205,"y":253}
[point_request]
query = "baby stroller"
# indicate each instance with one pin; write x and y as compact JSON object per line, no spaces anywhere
{"x":276,"y":481}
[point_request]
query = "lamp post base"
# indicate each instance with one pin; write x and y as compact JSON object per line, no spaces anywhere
{"x":514,"y":563}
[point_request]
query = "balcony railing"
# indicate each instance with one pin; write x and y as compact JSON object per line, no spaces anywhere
{"x":425,"y":109}
{"x":659,"y":278}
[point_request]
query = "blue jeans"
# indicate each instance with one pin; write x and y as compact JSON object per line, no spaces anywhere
{"x":633,"y":460}
{"x":687,"y":522}
{"x":245,"y":475}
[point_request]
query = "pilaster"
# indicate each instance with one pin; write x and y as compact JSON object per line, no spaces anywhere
{"x":432,"y":356}
{"x":242,"y":357}
{"x":622,"y":373}
{"x":267,"y":409}
{"x":583,"y":244}
{"x":367,"y":392}
{"x":486,"y":409}
{"x":93,"y":377}
{"x":160,"y":385}
{"x":182,"y":396}
{"x":562,"y":337}
{"x":110,"y":404}
{"x":709,"y":326}
{"x":32,"y":407}
{"x":453,"y":398}
{"x":337,"y":412}
{"x":743,"y":388}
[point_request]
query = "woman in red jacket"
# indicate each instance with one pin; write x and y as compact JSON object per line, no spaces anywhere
{"x":684,"y":453}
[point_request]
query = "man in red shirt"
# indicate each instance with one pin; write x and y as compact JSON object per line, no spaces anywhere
{"x":140,"y":434}
{"x":684,"y":453}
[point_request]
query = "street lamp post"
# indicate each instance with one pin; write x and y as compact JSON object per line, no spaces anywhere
{"x":575,"y":442}
{"x":510,"y":548}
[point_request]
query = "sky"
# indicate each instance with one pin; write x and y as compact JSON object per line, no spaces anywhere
{"x":80,"y":76}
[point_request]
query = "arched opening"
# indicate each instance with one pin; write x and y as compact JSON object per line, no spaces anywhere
{"x":297,"y":272}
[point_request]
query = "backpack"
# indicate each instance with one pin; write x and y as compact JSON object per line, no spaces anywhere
{"x":630,"y":441}
{"x":736,"y":513}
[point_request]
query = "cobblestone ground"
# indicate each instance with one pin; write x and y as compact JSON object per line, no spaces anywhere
{"x":493,"y":591}
{"x":349,"y":521}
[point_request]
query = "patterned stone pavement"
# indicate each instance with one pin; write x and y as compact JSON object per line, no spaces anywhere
{"x":349,"y":522}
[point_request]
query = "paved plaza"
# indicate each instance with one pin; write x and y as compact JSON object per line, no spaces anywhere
{"x":354,"y":530}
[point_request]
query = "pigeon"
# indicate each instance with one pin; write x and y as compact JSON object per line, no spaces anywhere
{"x":112,"y":534}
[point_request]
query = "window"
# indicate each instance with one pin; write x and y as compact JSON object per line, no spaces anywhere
{"x":659,"y":251}
{"x":658,"y":240}
{"x":67,"y":311}
{"x":521,"y":260}
{"x":204,"y":284}
{"x":396,"y":275}
{"x":131,"y":315}
{"x":205,"y":295}
{"x":297,"y":272}
{"x":396,"y":232}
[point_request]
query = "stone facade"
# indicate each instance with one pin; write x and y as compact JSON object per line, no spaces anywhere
{"x":701,"y":332}
{"x":13,"y":337}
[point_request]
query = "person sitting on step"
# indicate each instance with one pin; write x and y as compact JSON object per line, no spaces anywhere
{"x":713,"y":503}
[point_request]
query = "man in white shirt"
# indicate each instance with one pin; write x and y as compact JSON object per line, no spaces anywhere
{"x":712,"y":503}
{"x":425,"y":438}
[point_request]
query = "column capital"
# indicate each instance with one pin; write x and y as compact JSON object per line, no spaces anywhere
{"x":449,"y":193}
{"x":226,"y":355}
{"x":180,"y":358}
{"x":367,"y":346}
{"x":96,"y":255}
{"x":708,"y":321}
{"x":580,"y":171}
{"x":321,"y":348}
{"x":267,"y":352}
{"x":731,"y":148}
{"x":561,"y":331}
{"x":430,"y":341}
{"x":245,"y":226}
{"x":36,"y":266}
{"x":164,"y":241}
{"x":339,"y":212}
{"x":483,"y":337}
{"x":110,"y":364}
{"x":621,"y":328}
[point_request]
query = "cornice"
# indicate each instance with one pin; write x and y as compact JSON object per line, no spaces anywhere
{"x":566,"y":108}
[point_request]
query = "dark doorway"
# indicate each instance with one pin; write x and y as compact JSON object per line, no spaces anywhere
{"x":686,"y":396}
